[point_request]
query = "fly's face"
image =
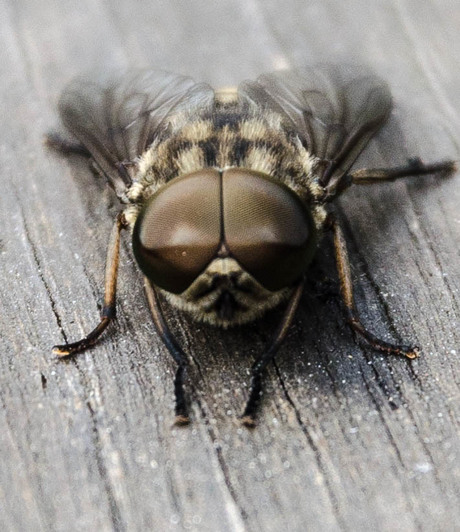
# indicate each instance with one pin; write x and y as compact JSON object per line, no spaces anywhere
{"x":224,"y":245}
{"x":224,"y":295}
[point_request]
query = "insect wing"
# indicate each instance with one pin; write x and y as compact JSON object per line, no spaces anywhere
{"x":117,"y":118}
{"x":335,"y":110}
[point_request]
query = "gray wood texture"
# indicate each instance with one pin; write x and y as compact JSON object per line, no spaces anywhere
{"x":348,"y":439}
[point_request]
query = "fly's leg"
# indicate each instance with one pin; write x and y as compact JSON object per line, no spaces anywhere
{"x":415,"y":167}
{"x":346,"y":290}
{"x":126,"y":169}
{"x":248,"y":417}
{"x":66,"y":147}
{"x":182,"y":417}
{"x":368,"y":176}
{"x":108,"y":310}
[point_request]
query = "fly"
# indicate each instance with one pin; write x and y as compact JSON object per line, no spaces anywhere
{"x":227,"y":194}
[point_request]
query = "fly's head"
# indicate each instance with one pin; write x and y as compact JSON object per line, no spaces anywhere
{"x":225,"y":245}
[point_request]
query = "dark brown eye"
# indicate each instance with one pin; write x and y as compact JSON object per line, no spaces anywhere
{"x":267,"y":228}
{"x":178,"y":232}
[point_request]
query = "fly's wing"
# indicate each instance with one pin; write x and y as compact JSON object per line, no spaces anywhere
{"x":335,"y":110}
{"x":117,"y":118}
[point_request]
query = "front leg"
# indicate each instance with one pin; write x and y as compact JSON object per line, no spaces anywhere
{"x":108,"y":311}
{"x":346,"y":291}
{"x":182,"y":416}
{"x":248,"y":418}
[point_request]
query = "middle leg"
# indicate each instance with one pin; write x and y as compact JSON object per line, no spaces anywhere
{"x":415,"y":167}
{"x":346,"y":290}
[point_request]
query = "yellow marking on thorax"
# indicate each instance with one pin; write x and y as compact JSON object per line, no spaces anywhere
{"x":253,"y":129}
{"x":190,"y":160}
{"x":226,"y":95}
{"x":197,"y":130}
{"x":261,"y":160}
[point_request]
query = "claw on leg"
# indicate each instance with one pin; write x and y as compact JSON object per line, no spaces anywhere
{"x":408,"y":351}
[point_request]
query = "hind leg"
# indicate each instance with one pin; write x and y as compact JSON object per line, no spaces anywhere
{"x":55,"y":142}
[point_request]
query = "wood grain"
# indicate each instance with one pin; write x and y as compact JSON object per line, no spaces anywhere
{"x":349,"y":439}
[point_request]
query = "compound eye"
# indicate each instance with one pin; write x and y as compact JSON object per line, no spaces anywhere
{"x":267,"y":228}
{"x":178,"y":232}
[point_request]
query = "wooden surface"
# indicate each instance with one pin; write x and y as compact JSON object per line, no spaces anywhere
{"x":348,"y":439}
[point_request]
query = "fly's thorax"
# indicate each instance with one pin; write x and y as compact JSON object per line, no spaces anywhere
{"x":225,"y":295}
{"x":231,"y":135}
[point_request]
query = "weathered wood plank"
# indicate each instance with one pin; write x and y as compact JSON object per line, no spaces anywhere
{"x":349,"y":440}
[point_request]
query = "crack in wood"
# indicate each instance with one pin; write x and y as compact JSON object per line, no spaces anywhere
{"x":334,"y":502}
{"x":114,"y":511}
{"x":224,"y":468}
{"x":39,"y":271}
